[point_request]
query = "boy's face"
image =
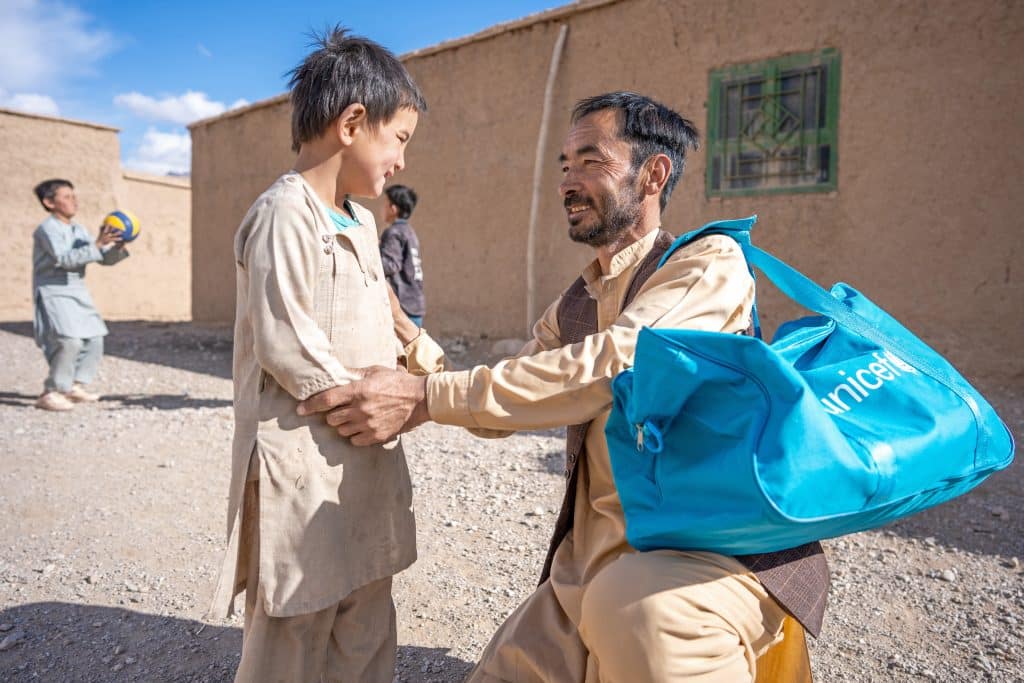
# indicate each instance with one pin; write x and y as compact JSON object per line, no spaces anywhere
{"x":376,"y":155}
{"x":64,"y":203}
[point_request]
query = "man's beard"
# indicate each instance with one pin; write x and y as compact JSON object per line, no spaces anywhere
{"x":618,"y":217}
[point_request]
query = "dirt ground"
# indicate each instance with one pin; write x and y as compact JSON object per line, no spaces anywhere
{"x":112,"y":531}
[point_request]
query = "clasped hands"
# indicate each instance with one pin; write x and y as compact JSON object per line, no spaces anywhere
{"x":374,"y":409}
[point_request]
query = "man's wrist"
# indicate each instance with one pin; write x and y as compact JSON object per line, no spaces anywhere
{"x":420,"y":414}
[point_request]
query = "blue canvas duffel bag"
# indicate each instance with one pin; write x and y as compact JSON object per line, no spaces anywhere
{"x":845,"y":422}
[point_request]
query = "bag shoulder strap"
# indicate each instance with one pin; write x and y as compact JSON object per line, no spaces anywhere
{"x":736,"y":228}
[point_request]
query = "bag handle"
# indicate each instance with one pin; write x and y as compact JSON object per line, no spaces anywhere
{"x":797,"y":287}
{"x":805,"y":292}
{"x":809,"y":294}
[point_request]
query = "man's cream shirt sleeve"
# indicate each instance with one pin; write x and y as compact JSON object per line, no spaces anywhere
{"x":703,"y":286}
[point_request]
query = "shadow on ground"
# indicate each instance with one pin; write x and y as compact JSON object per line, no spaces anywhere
{"x":113,"y":401}
{"x":164,"y":401}
{"x":58,"y":641}
{"x":73,"y":642}
{"x":182,"y":345}
{"x":11,"y":398}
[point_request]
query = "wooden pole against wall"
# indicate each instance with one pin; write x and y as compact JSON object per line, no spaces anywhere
{"x":538,"y":175}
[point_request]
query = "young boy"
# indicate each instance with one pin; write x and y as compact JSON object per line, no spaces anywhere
{"x":400,"y":253}
{"x":316,"y":525}
{"x":67,"y":326}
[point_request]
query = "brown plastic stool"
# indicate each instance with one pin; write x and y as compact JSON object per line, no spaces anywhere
{"x":786,"y":661}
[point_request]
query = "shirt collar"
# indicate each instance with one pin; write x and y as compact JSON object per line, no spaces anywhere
{"x":622,"y":261}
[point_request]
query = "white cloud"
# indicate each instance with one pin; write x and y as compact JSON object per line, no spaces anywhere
{"x":44,"y":43}
{"x":162,"y":152}
{"x":31,"y":102}
{"x":203,"y":50}
{"x":180,"y":109}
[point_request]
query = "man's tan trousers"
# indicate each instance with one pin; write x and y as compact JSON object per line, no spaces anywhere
{"x":354,"y":641}
{"x":645,"y":617}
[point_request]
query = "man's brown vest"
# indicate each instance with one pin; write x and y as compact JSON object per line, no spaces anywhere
{"x":797,"y":578}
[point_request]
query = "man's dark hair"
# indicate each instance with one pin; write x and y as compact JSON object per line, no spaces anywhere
{"x":343,"y":70}
{"x":48,"y":189}
{"x":404,"y":199}
{"x":650,"y":127}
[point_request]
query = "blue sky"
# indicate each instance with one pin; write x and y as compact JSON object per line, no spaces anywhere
{"x":150,"y":67}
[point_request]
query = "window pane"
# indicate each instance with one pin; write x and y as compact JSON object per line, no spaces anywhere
{"x":732,"y":111}
{"x":822,"y":96}
{"x":791,"y":99}
{"x":824,"y":165}
{"x":772,"y":134}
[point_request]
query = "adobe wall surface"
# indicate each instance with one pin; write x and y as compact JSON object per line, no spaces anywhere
{"x":924,"y":220}
{"x":151,"y":285}
{"x":159,"y":271}
{"x":234,"y":159}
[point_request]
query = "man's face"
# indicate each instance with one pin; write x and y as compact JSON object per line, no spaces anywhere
{"x":598,"y":185}
{"x":64,"y":203}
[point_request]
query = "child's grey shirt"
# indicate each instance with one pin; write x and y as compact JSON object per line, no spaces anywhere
{"x":63,"y":305}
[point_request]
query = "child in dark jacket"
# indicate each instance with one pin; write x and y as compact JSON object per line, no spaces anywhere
{"x":400,"y":253}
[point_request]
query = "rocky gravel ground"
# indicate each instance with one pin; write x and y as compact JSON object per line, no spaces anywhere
{"x":112,"y":523}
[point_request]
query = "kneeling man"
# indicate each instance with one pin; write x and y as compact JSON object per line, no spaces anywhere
{"x":603,"y":611}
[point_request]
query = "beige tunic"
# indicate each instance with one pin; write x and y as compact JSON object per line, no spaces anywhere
{"x":312,"y":303}
{"x":704,"y":285}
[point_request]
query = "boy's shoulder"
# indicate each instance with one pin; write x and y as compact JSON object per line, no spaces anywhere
{"x":402,"y":229}
{"x":287,"y":194}
{"x":287,"y":188}
{"x":48,"y":225}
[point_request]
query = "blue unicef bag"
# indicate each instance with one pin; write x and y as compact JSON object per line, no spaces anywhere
{"x":845,"y":422}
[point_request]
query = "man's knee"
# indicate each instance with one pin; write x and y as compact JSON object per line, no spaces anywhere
{"x":619,"y":604}
{"x":677,"y":614}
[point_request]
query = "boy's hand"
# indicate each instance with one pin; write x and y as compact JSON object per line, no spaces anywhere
{"x":375,"y":409}
{"x":405,"y":329}
{"x":110,"y":236}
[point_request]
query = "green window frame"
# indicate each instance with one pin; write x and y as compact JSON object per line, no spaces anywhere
{"x":773,"y":126}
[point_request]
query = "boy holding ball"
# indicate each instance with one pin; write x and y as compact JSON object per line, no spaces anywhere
{"x":316,"y":525}
{"x":67,"y":325}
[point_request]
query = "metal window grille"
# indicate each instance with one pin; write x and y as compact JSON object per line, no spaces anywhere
{"x":773,"y":126}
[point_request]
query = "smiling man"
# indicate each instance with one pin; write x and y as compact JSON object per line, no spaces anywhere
{"x":603,"y":611}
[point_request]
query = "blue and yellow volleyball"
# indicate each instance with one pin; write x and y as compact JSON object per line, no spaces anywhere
{"x":124,"y":223}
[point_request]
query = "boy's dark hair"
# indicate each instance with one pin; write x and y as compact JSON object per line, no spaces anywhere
{"x":404,"y":199}
{"x":343,"y":70}
{"x":650,"y":127}
{"x":48,"y":189}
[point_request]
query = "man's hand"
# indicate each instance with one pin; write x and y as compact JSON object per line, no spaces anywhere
{"x":375,"y":409}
